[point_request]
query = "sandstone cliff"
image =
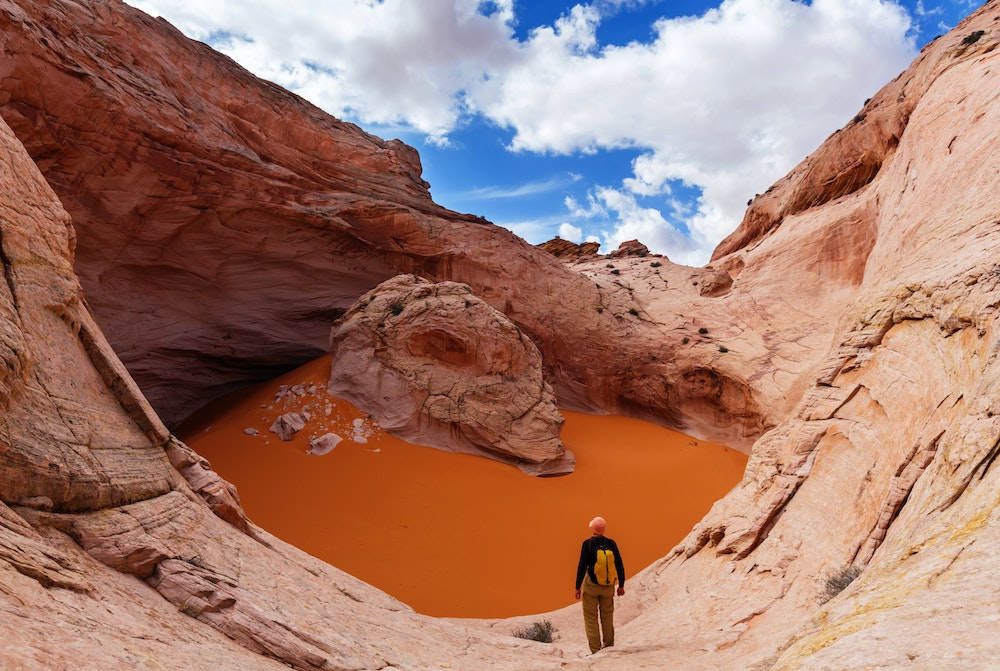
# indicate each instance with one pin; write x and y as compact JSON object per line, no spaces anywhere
{"x":223,"y":224}
{"x":859,"y":328}
{"x":109,"y":557}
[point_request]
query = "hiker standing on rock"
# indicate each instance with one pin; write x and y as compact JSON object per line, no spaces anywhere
{"x":599,"y":569}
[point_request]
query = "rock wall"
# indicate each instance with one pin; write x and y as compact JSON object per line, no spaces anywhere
{"x":118,"y":546}
{"x":858,"y":336}
{"x":223,"y":224}
{"x":885,"y":467}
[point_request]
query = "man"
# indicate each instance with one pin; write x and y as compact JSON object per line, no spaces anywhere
{"x":597,"y":577}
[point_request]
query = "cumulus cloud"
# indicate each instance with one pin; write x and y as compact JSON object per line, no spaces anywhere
{"x":727,"y":102}
{"x":570,"y":232}
{"x":724,"y":103}
{"x":386,"y":62}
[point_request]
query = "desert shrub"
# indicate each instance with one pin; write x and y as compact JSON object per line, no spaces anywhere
{"x":837,"y":582}
{"x":723,"y":349}
{"x":633,"y":312}
{"x":703,"y":330}
{"x":616,"y":272}
{"x":973,"y":37}
{"x":655,"y":264}
{"x":537,"y":631}
{"x":685,"y":340}
{"x":396,"y":308}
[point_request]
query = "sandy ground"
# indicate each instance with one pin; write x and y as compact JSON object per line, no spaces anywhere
{"x":456,"y":535}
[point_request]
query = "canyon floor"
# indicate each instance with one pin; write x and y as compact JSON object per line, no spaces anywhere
{"x":455,"y":535}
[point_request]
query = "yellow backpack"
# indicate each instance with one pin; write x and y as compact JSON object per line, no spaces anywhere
{"x":605,"y":572}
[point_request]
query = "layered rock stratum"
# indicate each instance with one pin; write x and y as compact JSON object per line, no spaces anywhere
{"x":854,"y":346}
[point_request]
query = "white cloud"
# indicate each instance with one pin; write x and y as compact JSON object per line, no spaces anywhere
{"x":646,"y":224}
{"x":385,"y":62}
{"x":521,"y":190}
{"x":726,"y":102}
{"x":570,"y":232}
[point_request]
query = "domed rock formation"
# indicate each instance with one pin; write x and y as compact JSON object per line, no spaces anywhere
{"x":440,"y":367}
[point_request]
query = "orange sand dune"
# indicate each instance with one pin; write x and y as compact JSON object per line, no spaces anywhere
{"x":452,"y":534}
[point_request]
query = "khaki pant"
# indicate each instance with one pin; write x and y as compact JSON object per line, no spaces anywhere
{"x":598,"y":600}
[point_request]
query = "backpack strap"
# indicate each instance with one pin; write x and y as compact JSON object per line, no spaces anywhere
{"x":596,"y":543}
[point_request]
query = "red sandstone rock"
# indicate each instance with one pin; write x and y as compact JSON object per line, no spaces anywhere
{"x":862,"y":317}
{"x":564,"y":249}
{"x":109,"y":558}
{"x":223,"y":224}
{"x":630,"y":248}
{"x":440,"y":367}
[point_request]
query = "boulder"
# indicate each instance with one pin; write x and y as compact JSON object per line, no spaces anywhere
{"x":564,"y":249}
{"x":440,"y":367}
{"x":289,"y":424}
{"x":630,"y":248}
{"x":324,"y":444}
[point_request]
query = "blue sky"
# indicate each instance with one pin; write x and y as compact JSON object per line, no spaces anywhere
{"x":605,"y":120}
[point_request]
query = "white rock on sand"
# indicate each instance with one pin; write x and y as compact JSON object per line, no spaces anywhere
{"x":324,"y":444}
{"x":289,"y":424}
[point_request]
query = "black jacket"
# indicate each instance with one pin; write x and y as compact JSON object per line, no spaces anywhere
{"x":588,"y":557}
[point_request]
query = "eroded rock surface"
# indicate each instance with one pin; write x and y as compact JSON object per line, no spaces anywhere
{"x":224,"y":224}
{"x":564,"y":249}
{"x":859,"y":335}
{"x":440,"y":367}
{"x":120,"y":547}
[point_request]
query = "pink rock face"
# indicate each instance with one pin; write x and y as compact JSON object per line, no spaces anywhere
{"x":112,"y":532}
{"x":223,"y":225}
{"x":440,"y":367}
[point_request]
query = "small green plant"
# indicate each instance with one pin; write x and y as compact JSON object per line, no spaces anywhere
{"x":633,"y":312}
{"x":723,"y":349}
{"x":685,"y":340}
{"x":655,"y":264}
{"x":616,"y":272}
{"x":703,"y":330}
{"x":973,"y":37}
{"x":837,"y":582}
{"x":396,"y":308}
{"x":537,"y":631}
